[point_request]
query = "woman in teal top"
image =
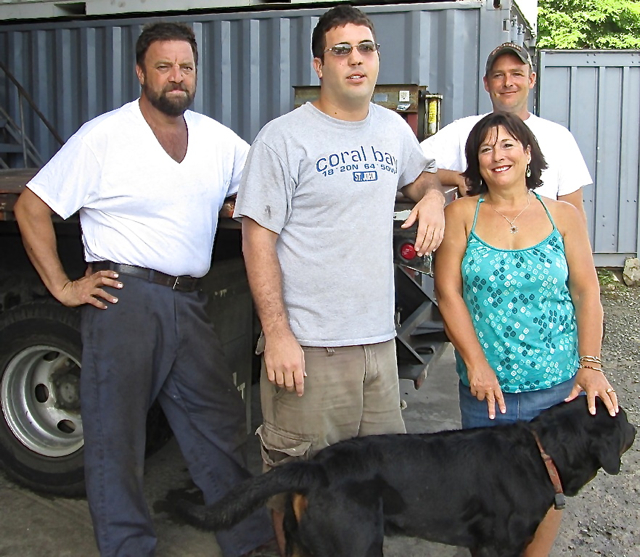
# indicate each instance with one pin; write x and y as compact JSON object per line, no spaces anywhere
{"x":521,"y":309}
{"x":518,"y":291}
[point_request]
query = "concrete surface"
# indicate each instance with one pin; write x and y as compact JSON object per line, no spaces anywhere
{"x":37,"y":526}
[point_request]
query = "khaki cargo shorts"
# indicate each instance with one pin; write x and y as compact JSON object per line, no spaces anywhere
{"x":349,"y":391}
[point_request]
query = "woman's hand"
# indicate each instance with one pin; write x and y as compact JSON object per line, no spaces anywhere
{"x":484,"y":386}
{"x":594,"y":383}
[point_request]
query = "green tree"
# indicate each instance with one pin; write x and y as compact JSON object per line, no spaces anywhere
{"x":599,"y":24}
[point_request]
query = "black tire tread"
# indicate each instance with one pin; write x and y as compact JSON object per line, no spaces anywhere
{"x":16,"y":325}
{"x":42,"y":309}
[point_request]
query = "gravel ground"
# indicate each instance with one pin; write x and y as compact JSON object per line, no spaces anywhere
{"x":604,"y":518}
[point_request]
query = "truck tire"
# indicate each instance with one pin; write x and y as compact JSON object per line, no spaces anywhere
{"x":41,"y":435}
{"x":41,"y":438}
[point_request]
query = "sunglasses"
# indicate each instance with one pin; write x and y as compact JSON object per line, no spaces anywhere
{"x":344,"y":49}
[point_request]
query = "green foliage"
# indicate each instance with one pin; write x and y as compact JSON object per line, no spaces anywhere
{"x":599,"y":24}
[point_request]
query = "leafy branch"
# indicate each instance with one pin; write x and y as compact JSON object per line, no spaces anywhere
{"x":599,"y":24}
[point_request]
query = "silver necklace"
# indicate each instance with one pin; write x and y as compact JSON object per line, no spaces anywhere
{"x":514,"y":228}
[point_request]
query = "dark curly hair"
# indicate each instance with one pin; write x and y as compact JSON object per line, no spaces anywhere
{"x":338,"y":16}
{"x":164,"y":31}
{"x":517,"y":129}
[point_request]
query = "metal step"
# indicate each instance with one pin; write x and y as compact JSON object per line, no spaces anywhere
{"x":420,"y":336}
{"x":10,"y":148}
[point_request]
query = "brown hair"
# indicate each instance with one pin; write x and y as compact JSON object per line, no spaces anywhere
{"x":338,"y":16}
{"x":518,"y":130}
{"x":164,"y":31}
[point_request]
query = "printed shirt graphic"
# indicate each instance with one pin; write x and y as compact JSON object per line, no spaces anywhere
{"x":327,"y":187}
{"x":522,"y":312}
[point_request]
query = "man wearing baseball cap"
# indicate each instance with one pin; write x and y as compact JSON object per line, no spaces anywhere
{"x":507,"y":48}
{"x":509,"y":77}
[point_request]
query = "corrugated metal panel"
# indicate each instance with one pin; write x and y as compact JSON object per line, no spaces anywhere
{"x":249,"y":62}
{"x":595,"y":94}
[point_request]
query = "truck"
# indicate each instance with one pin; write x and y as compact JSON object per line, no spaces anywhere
{"x":41,"y":436}
{"x":40,"y":349}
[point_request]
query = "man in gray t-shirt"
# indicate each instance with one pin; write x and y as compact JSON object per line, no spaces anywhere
{"x":331,"y":204}
{"x":317,"y":200}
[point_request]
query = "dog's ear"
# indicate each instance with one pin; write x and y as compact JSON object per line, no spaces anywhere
{"x":606,"y":438}
{"x":607,"y":451}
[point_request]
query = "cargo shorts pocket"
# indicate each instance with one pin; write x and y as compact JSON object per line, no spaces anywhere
{"x":278,"y":446}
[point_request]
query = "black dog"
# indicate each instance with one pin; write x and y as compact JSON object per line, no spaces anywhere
{"x":486,"y":489}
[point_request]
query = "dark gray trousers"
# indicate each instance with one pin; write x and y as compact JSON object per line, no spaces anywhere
{"x":158,"y":343}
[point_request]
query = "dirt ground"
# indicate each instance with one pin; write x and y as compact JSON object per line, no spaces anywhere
{"x":604,"y":518}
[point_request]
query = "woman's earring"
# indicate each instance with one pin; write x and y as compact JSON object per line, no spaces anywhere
{"x":528,"y":172}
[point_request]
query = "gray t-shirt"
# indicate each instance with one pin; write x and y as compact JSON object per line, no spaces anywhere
{"x":327,"y":187}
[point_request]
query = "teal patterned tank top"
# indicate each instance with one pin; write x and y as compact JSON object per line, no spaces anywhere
{"x":521,"y":310}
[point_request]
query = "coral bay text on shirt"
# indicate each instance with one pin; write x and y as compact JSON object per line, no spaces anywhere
{"x":368,"y":158}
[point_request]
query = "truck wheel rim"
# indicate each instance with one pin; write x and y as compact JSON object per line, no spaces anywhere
{"x":41,"y":400}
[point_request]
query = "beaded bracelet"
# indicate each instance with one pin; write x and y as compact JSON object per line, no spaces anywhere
{"x":591,"y":367}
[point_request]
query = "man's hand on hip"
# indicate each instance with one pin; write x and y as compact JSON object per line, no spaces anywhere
{"x":89,"y":289}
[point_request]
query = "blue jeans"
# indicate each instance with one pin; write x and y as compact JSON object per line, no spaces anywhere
{"x":520,"y":406}
{"x":156,"y":343}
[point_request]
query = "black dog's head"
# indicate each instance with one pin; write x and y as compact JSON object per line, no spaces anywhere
{"x":580,"y":444}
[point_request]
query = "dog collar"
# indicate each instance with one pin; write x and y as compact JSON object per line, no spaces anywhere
{"x":559,"y":499}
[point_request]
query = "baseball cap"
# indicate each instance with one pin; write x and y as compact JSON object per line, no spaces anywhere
{"x":508,"y":48}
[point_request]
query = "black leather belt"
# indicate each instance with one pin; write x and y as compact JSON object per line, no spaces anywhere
{"x":181,"y":284}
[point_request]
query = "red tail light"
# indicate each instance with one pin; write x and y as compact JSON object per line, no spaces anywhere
{"x":407,"y":251}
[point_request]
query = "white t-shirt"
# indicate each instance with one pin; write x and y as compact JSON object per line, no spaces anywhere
{"x":138,"y":205}
{"x":327,"y":187}
{"x":567,"y":172}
